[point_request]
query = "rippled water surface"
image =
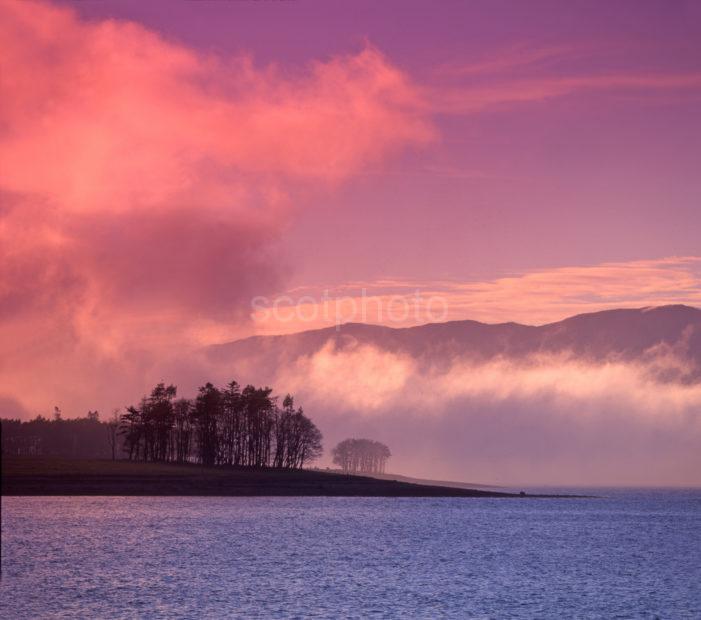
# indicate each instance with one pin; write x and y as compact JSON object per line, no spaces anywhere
{"x":630,"y":554}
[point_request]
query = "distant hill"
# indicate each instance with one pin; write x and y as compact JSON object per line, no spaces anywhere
{"x":625,"y":334}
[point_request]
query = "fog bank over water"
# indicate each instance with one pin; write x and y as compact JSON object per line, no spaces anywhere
{"x":547,"y":420}
{"x":606,"y":398}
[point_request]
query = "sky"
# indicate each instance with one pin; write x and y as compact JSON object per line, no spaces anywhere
{"x":171,"y":172}
{"x":549,"y":136}
{"x":562,"y":136}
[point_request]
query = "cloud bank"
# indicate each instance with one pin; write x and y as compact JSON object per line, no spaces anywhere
{"x":546,"y":419}
{"x":143,"y":183}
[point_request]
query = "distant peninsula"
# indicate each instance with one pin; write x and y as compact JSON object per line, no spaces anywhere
{"x":39,"y":476}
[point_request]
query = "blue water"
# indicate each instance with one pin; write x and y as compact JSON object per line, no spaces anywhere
{"x":628,"y":555}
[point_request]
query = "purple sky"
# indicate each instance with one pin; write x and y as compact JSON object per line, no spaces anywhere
{"x":592,"y":176}
{"x":165,"y":163}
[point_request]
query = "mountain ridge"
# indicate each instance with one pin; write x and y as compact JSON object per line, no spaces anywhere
{"x":642,"y":310}
{"x":647,"y":334}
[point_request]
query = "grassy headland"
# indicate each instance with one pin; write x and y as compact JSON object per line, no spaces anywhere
{"x":54,"y":476}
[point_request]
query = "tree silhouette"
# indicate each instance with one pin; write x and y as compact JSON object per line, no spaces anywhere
{"x":206,"y":411}
{"x":85,"y":437}
{"x":112,"y":432}
{"x":361,"y":456}
{"x":227,"y":426}
{"x":220,"y":426}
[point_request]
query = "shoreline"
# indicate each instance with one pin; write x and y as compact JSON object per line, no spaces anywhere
{"x":45,"y":476}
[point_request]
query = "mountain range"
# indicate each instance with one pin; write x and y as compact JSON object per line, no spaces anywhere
{"x":621,"y":334}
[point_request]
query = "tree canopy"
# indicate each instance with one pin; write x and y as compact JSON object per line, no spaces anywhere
{"x":361,"y":456}
{"x":220,"y":426}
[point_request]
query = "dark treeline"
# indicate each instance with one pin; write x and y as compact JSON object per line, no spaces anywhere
{"x":86,"y":437}
{"x":220,"y":426}
{"x":228,"y":426}
{"x":361,"y":456}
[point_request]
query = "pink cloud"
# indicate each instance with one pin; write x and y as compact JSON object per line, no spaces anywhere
{"x":143,"y":182}
{"x":123,"y":119}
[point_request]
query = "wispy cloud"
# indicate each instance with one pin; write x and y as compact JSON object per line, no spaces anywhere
{"x":523,"y":74}
{"x":507,"y":60}
{"x":469,"y":99}
{"x":533,"y":297}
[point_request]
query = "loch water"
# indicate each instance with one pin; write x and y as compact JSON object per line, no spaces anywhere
{"x":624,"y":554}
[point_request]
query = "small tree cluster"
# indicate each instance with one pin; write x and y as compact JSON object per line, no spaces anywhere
{"x":361,"y":456}
{"x":221,"y":426}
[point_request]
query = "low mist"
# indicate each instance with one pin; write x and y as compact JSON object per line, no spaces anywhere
{"x":541,"y":420}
